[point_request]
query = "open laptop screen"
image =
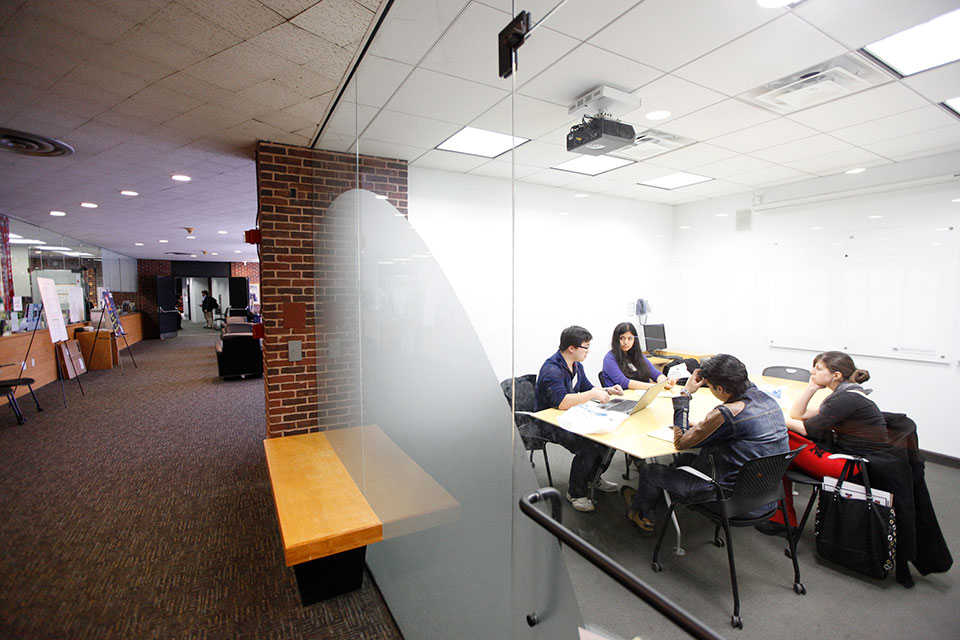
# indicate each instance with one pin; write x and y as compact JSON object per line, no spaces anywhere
{"x":654,"y":337}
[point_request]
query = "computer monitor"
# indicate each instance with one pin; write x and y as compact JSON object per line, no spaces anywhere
{"x":654,"y":337}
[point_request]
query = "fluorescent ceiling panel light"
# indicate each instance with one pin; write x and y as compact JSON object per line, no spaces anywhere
{"x":88,"y":205}
{"x":25,"y":241}
{"x":163,"y":241}
{"x":49,"y":248}
{"x":214,"y":253}
{"x":953,"y":104}
{"x":14,"y":235}
{"x":854,"y":172}
{"x":236,"y":251}
{"x":139,"y":244}
{"x":675,"y":180}
{"x":191,"y":237}
{"x":593,"y":165}
{"x":223,"y":233}
{"x":922,"y":47}
{"x":480,"y":142}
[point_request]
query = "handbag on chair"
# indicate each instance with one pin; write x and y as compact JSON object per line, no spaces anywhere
{"x":856,"y":533}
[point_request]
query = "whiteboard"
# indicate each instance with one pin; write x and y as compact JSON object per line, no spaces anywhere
{"x":886,"y":290}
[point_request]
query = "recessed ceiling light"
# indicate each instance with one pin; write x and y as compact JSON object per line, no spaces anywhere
{"x":193,"y":255}
{"x":58,"y":214}
{"x":675,"y":180}
{"x":658,"y":115}
{"x":816,"y":228}
{"x":163,"y":241}
{"x":480,"y":142}
{"x":179,"y":177}
{"x":686,"y":226}
{"x":191,"y":237}
{"x":581,"y":195}
{"x":127,"y":192}
{"x":921,"y":47}
{"x":720,"y":215}
{"x":593,"y":165}
{"x":88,"y":205}
{"x":855,"y":171}
{"x":237,"y":251}
{"x":223,"y":233}
{"x":214,"y":253}
{"x":874,"y":217}
{"x":139,"y":244}
{"x":380,"y":197}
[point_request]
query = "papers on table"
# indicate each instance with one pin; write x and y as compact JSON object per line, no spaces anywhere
{"x":778,"y":393}
{"x":590,"y":418}
{"x":663,"y":433}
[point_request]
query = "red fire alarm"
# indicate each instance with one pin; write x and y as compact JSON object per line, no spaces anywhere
{"x":252,"y":236}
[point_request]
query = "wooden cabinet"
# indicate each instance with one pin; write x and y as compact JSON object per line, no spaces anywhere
{"x":105,"y":356}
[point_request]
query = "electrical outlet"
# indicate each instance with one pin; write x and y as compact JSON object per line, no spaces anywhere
{"x":33,"y":362}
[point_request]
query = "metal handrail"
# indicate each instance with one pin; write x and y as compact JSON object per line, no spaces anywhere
{"x":608,"y":565}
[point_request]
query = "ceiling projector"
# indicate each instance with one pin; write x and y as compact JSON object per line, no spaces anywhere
{"x":598,"y":135}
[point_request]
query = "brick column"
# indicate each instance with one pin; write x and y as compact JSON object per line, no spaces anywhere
{"x":307,"y":259}
{"x":248,"y":270}
{"x":147,"y":272}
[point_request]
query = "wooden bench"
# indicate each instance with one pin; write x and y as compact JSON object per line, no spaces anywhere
{"x":325,"y":522}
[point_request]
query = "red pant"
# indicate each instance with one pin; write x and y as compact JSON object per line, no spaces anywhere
{"x":815,"y":464}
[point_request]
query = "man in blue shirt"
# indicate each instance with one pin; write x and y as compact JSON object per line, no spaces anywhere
{"x":562,"y":384}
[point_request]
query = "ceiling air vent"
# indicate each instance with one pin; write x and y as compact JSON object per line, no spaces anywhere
{"x":652,"y":143}
{"x":31,"y":144}
{"x":177,"y":253}
{"x":816,"y":85}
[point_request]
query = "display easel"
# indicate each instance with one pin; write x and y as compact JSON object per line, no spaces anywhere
{"x":26,"y":356}
{"x":110,"y":308}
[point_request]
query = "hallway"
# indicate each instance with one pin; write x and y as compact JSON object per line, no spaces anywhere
{"x":143,"y":510}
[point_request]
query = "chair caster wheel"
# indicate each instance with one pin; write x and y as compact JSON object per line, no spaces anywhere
{"x":787,"y":553}
{"x":656,"y":566}
{"x":736,"y":622}
{"x":799,"y":589}
{"x":719,"y":543}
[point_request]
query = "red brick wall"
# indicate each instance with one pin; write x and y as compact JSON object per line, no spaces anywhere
{"x":308,"y":259}
{"x":146,"y":297}
{"x":248,"y":270}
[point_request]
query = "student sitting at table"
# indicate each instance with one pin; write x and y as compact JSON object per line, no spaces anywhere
{"x":748,"y":424}
{"x":847,"y":421}
{"x":625,"y":363}
{"x":562,"y":384}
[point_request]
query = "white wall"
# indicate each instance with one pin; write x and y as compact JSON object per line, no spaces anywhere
{"x":583,"y":268}
{"x":731,"y":290}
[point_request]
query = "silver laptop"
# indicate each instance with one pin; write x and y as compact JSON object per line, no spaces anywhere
{"x":630,"y":407}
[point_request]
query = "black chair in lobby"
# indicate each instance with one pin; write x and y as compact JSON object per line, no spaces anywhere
{"x":238,"y":352}
{"x":526,"y":423}
{"x":9,"y":387}
{"x":758,"y":483}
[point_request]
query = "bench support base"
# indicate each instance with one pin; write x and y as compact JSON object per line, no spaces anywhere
{"x":331,"y":576}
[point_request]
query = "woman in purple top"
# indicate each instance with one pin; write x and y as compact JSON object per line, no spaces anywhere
{"x":625,"y":363}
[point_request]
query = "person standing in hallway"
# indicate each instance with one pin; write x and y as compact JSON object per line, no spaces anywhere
{"x":208,"y":305}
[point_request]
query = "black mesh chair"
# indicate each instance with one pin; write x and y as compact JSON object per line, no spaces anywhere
{"x":9,"y":387}
{"x":788,"y":373}
{"x":758,"y":483}
{"x":527,"y":425}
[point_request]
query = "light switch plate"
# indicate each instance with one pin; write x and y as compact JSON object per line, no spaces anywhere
{"x":294,"y":350}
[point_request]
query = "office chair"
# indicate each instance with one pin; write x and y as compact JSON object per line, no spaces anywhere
{"x":788,"y":373}
{"x":7,"y":387}
{"x":523,"y":412}
{"x":758,"y":483}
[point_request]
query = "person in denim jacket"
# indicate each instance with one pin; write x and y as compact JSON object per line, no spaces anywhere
{"x":748,"y":424}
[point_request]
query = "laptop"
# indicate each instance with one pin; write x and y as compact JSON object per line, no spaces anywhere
{"x":630,"y":407}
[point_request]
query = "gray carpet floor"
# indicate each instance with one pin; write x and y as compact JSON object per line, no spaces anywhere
{"x":143,"y":510}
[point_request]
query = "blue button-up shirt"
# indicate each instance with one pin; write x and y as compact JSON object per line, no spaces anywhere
{"x":555,"y":381}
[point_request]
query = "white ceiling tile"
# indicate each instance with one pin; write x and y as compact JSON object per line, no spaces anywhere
{"x":271,"y":93}
{"x":595,"y":184}
{"x":464,"y":50}
{"x":760,"y":56}
{"x":731,"y":166}
{"x":408,"y":130}
{"x":764,"y":135}
{"x":800,"y":149}
{"x":860,"y":22}
{"x":377,"y":79}
{"x":635,"y":192}
{"x":768,"y":176}
{"x":389,"y":150}
{"x":314,"y":108}
{"x":583,"y":69}
{"x":534,"y":118}
{"x":449,"y":161}
{"x":938,"y":84}
{"x":176,"y":22}
{"x":84,"y":17}
{"x":715,"y":188}
{"x":895,"y":126}
{"x":206,"y":118}
{"x":925,"y":143}
{"x":503,"y":170}
{"x":552,"y":177}
{"x":655,"y":33}
{"x":306,"y":82}
{"x":673,"y":94}
{"x":347,"y":120}
{"x":335,"y":142}
{"x":244,"y":18}
{"x":285,"y":120}
{"x":860,"y":107}
{"x":692,"y":156}
{"x":569,"y":18}
{"x":435,"y":95}
{"x":342,"y":22}
{"x":151,"y":45}
{"x":637,"y":172}
{"x":411,"y":28}
{"x":831,"y":163}
{"x":543,"y":154}
{"x":716,"y":120}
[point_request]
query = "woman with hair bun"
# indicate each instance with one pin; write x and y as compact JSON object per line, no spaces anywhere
{"x":847,"y":421}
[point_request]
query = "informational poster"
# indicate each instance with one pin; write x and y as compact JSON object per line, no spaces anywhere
{"x":75,"y":299}
{"x":18,"y":303}
{"x":111,"y":308}
{"x":51,"y":309}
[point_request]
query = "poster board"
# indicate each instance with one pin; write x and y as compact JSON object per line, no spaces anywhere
{"x":71,"y":359}
{"x":51,"y":309}
{"x":111,"y":308}
{"x":75,"y":301}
